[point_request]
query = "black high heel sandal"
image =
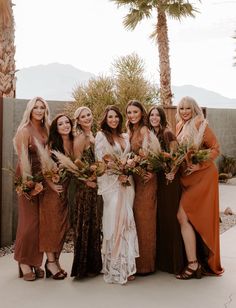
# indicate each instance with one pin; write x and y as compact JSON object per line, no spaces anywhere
{"x":39,"y":272}
{"x":189,"y":273}
{"x":58,"y":276}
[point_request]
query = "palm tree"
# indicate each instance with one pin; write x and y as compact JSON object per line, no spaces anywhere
{"x":141,"y":9}
{"x":7,"y":50}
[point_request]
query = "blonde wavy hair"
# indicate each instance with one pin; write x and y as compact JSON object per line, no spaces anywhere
{"x":196,"y":110}
{"x":27,"y":115}
{"x":191,"y":134}
{"x":77,"y":127}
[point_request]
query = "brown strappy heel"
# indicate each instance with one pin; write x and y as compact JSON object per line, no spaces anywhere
{"x":30,"y":276}
{"x":189,"y":273}
{"x":58,"y":276}
{"x":61,"y":269}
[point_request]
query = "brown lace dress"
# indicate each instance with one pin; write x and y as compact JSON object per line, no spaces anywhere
{"x":27,"y":237}
{"x":87,"y":216}
{"x":145,"y":210}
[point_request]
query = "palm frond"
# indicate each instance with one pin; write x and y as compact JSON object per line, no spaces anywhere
{"x":180,"y":9}
{"x":135,"y":16}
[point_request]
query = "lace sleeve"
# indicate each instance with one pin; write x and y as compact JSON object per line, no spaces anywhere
{"x":100,"y":146}
{"x":106,"y":183}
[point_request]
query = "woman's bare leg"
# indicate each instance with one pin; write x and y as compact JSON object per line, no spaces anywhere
{"x":189,"y":237}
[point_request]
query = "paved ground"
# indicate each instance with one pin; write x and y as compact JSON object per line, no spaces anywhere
{"x":160,"y":290}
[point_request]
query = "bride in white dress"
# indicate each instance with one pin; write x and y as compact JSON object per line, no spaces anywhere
{"x":120,"y":242}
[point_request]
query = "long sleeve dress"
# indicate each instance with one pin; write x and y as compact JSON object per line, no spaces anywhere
{"x":200,"y":201}
{"x":120,"y":243}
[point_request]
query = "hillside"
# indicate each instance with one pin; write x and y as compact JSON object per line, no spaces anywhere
{"x":53,"y":81}
{"x":56,"y":82}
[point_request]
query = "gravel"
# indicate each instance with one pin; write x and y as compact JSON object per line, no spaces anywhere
{"x":227,"y":222}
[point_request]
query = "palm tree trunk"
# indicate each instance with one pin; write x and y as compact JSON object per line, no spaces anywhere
{"x":164,"y":63}
{"x":7,"y":50}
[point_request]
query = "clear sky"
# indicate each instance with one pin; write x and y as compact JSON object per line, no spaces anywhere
{"x":89,"y":35}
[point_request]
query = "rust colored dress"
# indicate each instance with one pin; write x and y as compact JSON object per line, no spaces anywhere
{"x":170,"y":249}
{"x":145,"y":211}
{"x":53,"y":219}
{"x":200,"y":201}
{"x":27,"y":236}
{"x":87,"y":220}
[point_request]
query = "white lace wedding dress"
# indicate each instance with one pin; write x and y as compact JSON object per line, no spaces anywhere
{"x":120,"y":242}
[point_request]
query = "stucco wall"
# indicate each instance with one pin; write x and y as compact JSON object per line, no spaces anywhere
{"x":223,"y":123}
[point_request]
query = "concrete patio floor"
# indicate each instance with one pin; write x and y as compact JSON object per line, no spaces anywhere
{"x":160,"y":290}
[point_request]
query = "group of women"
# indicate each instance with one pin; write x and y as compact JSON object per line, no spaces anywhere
{"x":120,"y":230}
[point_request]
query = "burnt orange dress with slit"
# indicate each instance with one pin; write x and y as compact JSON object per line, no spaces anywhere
{"x":200,"y":201}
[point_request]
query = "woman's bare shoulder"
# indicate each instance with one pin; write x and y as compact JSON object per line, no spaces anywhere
{"x":79,"y":137}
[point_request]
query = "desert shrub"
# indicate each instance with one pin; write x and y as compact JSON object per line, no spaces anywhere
{"x":126,"y":82}
{"x":227,"y":165}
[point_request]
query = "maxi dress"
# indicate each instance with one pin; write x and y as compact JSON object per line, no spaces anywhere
{"x":200,"y":201}
{"x":145,"y":214}
{"x":86,"y":225}
{"x":53,"y":220}
{"x":27,"y":236}
{"x":120,"y":243}
{"x":170,"y":249}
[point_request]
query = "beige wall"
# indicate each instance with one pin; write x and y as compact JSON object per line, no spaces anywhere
{"x":223,"y":122}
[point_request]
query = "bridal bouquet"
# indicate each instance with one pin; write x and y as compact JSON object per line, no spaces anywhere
{"x":119,"y":166}
{"x":81,"y":170}
{"x":50,"y":169}
{"x":195,"y":156}
{"x":27,"y":185}
{"x":176,"y":158}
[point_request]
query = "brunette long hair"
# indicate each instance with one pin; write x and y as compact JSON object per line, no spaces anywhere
{"x":163,"y":126}
{"x":143,"y":120}
{"x":163,"y":120}
{"x":106,"y":129}
{"x":55,"y":141}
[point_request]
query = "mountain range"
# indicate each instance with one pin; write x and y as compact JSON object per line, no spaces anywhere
{"x":56,"y":82}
